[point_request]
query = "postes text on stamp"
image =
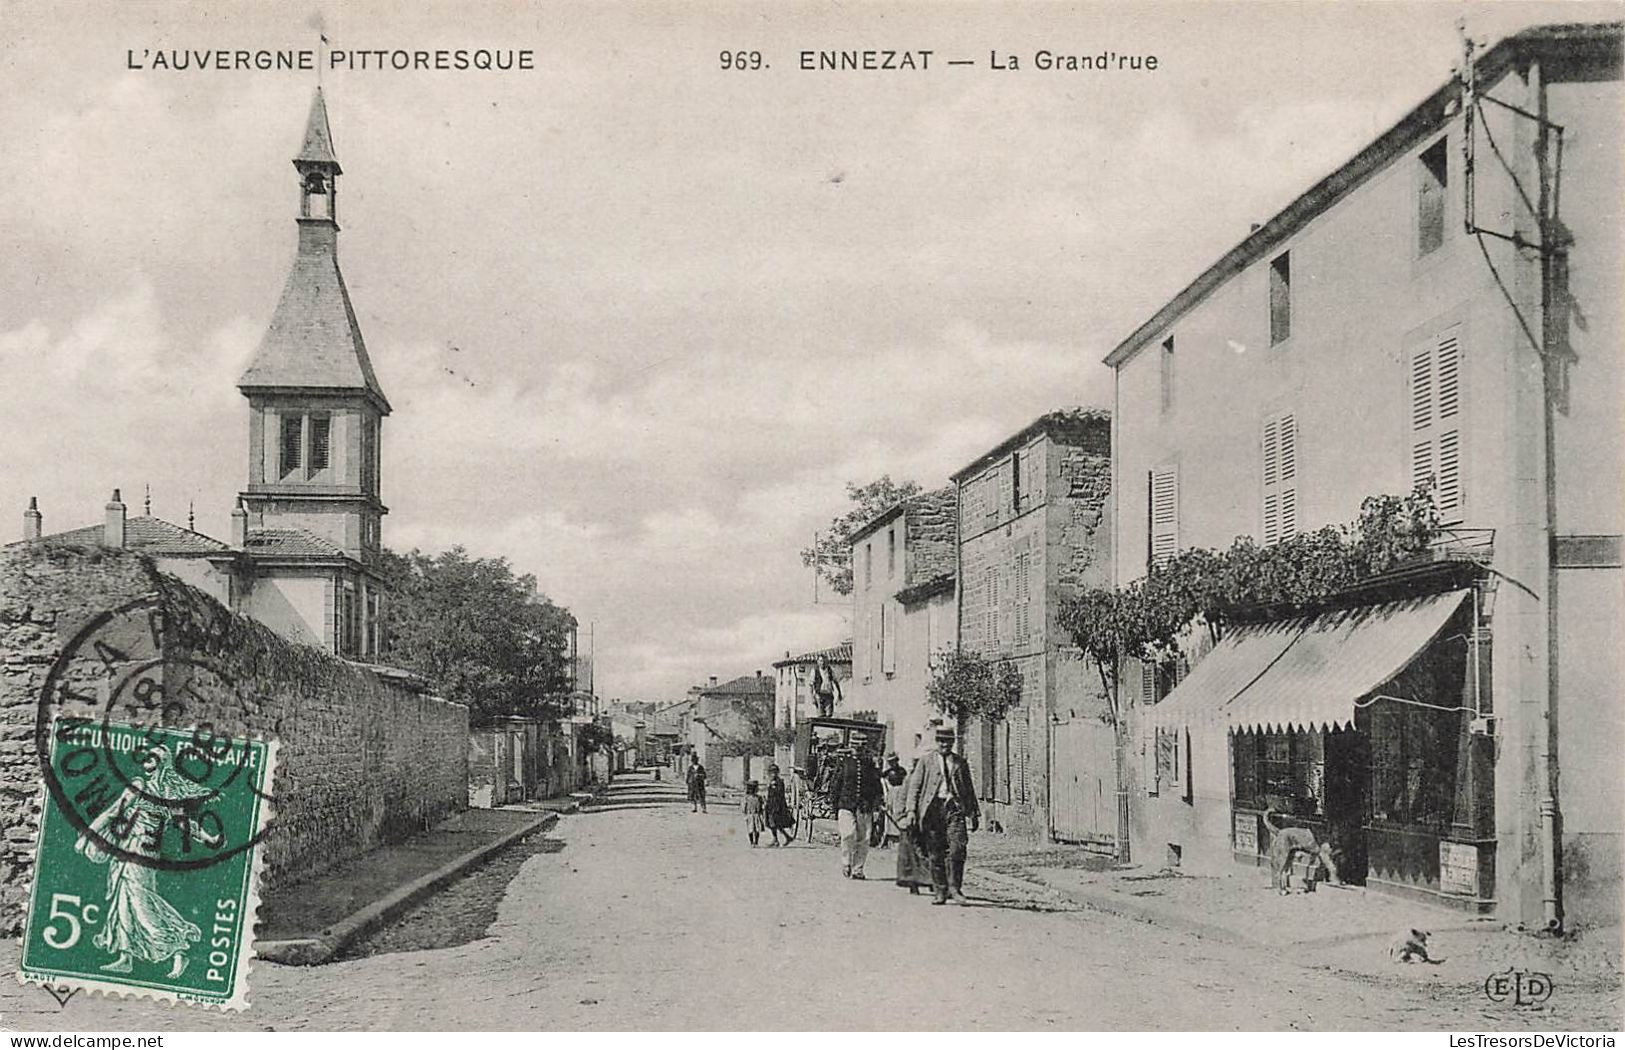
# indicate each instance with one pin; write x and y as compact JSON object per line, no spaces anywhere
{"x":145,"y":876}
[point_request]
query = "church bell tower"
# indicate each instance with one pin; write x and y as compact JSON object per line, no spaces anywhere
{"x":315,"y":406}
{"x":308,"y":521}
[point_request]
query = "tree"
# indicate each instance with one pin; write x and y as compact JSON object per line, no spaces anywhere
{"x":831,"y":555}
{"x":967,"y":686}
{"x":478,"y":633}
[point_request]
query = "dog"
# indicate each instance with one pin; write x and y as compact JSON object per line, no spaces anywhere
{"x":1286,"y":844}
{"x":1409,"y":946}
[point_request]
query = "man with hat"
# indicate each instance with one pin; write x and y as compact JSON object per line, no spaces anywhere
{"x":938,"y":802}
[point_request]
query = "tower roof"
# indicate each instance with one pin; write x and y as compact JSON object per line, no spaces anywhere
{"x":314,"y":342}
{"x":318,"y":145}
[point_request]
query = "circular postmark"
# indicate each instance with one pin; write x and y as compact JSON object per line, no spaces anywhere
{"x":131,"y":744}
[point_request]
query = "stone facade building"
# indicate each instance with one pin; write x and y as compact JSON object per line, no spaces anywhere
{"x":903,"y":573}
{"x":1034,"y":529}
{"x":1412,"y":318}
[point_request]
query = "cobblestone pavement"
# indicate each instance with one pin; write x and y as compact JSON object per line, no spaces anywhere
{"x":652,"y":917}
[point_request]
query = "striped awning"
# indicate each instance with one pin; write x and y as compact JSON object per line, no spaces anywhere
{"x":1308,"y":672}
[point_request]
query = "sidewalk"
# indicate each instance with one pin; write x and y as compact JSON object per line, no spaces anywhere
{"x":1346,"y":929}
{"x":308,"y":923}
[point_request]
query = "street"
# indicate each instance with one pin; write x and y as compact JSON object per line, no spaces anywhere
{"x":644,"y":915}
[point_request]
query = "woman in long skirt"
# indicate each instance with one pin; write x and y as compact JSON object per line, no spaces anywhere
{"x":912,"y":869}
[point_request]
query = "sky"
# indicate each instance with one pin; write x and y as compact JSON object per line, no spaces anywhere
{"x":641,"y":317}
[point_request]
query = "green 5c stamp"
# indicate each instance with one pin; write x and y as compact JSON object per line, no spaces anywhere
{"x":145,"y":878}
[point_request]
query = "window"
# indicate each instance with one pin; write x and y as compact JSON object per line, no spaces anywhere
{"x":320,"y":440}
{"x":1168,"y":373}
{"x":1170,"y":754}
{"x":1163,"y":514}
{"x":1015,"y":481}
{"x":868,"y":564}
{"x":1281,"y":298}
{"x":1280,"y":478}
{"x":990,"y":498}
{"x":1433,"y":180}
{"x":293,"y":443}
{"x":369,"y":455}
{"x":888,"y":641}
{"x":891,"y":552}
{"x":1435,"y":421}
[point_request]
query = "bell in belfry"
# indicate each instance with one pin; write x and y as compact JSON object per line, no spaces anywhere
{"x":315,"y":183}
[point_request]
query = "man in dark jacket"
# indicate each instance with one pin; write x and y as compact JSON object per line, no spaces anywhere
{"x":855,"y":795}
{"x":938,"y":801}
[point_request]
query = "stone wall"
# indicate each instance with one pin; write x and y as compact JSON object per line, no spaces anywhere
{"x":365,"y":756}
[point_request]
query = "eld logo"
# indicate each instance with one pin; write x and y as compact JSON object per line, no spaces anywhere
{"x":1518,"y":987}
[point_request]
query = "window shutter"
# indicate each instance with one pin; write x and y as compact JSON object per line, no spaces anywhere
{"x":1435,"y":443}
{"x":1148,"y":682}
{"x":1448,"y":400}
{"x":1150,"y":755}
{"x":1164,"y":514}
{"x":1167,"y":757}
{"x":1280,"y":478}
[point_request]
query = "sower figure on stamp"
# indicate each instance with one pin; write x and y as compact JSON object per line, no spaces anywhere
{"x":939,"y":801}
{"x":140,"y":923}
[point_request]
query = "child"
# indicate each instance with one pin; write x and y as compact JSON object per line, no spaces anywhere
{"x":779,"y":817}
{"x":753,"y":813}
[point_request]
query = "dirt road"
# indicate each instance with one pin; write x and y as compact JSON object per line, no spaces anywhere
{"x":647,"y":916}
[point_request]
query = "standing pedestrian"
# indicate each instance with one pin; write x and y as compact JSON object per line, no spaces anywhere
{"x":855,"y":794}
{"x":779,"y":817}
{"x":752,"y":807}
{"x":940,"y":801}
{"x":911,"y":871}
{"x":696,"y":787}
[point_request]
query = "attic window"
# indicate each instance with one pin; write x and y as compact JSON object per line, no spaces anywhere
{"x":1281,"y":298}
{"x":1433,"y":181}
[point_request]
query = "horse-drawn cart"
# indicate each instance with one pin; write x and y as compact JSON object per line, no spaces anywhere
{"x":818,"y":742}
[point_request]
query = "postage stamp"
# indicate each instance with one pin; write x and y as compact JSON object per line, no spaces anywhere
{"x":147,"y":867}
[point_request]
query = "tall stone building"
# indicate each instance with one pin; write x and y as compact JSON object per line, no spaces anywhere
{"x":1034,"y":529}
{"x":902,"y":612}
{"x":304,"y":552}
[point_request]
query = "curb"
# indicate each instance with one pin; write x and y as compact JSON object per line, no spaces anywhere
{"x":314,"y":951}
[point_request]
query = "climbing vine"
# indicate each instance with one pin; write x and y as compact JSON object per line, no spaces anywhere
{"x":1201,"y":586}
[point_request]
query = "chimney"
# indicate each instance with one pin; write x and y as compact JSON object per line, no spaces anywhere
{"x":239,"y":526}
{"x":113,"y":531}
{"x":32,"y":519}
{"x":713,"y":681}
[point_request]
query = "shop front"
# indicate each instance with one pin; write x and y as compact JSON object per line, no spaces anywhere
{"x":1366,"y":724}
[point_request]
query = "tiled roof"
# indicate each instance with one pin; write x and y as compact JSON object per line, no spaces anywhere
{"x":290,"y":543}
{"x":146,"y":534}
{"x":318,"y":144}
{"x":744,"y":685}
{"x":836,"y":654}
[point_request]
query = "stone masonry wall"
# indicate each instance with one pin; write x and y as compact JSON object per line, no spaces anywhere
{"x":363,"y":758}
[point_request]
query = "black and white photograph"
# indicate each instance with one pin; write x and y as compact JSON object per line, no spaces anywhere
{"x":813,"y":517}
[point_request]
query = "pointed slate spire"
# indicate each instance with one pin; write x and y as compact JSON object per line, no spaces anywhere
{"x":318,"y":145}
{"x":314,"y":341}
